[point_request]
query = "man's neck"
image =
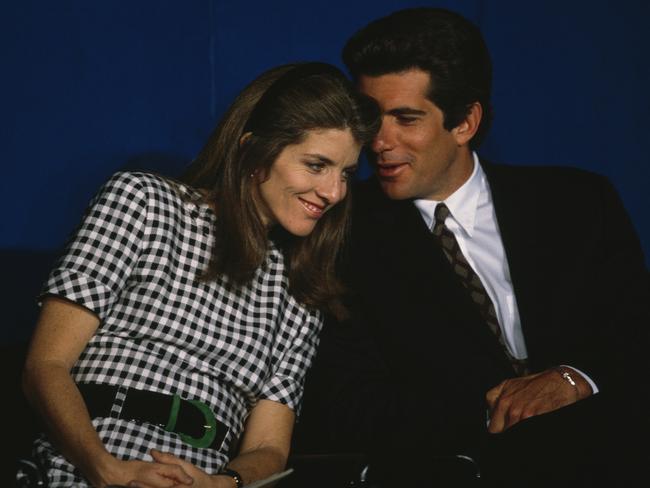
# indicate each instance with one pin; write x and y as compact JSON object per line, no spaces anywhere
{"x":464,"y":167}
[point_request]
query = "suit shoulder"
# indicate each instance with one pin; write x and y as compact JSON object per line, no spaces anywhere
{"x":535,"y":170}
{"x":550,"y":178}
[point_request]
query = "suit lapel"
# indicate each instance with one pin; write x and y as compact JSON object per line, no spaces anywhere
{"x":413,"y":257}
{"x":521,"y":236}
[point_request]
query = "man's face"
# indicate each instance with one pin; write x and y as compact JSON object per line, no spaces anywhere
{"x":416,"y":156}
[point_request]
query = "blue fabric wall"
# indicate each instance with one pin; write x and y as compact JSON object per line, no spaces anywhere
{"x":92,"y":87}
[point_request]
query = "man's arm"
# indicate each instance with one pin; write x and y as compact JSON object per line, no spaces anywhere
{"x":363,"y":405}
{"x":614,"y":292}
{"x":517,"y":399}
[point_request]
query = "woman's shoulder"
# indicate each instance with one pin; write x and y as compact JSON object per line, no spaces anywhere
{"x":150,"y":186}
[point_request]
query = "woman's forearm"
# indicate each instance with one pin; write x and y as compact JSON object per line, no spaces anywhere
{"x":258,"y":463}
{"x":251,"y":465}
{"x":265,"y":444}
{"x":54,"y":395}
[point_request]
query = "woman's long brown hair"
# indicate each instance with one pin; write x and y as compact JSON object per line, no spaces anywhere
{"x":278,"y":109}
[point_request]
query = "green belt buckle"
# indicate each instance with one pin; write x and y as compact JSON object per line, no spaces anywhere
{"x":210,"y":425}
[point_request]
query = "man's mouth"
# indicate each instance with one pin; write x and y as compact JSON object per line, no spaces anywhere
{"x":313,"y":209}
{"x":390,"y":170}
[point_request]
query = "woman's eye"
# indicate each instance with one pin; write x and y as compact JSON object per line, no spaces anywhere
{"x":348,"y":174}
{"x":315,"y":167}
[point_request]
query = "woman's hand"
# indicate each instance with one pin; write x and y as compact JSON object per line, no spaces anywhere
{"x":200,"y":479}
{"x":264,"y":450}
{"x":148,"y":474}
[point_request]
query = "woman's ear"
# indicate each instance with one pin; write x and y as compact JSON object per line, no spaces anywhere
{"x":260,"y":175}
{"x":244,"y":138}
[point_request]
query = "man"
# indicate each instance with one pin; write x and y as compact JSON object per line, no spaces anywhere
{"x":497,"y":312}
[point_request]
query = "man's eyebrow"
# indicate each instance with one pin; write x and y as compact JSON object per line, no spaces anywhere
{"x":405,"y":111}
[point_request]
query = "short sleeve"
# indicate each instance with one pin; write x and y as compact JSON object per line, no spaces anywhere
{"x":286,"y":383}
{"x":102,"y":253}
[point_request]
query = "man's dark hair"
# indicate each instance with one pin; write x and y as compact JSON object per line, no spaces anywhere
{"x":441,"y":43}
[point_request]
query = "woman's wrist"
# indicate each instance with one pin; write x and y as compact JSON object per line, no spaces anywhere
{"x":102,"y":469}
{"x":224,"y":481}
{"x":236,"y":479}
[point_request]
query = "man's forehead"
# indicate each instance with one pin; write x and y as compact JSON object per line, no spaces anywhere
{"x":397,"y":90}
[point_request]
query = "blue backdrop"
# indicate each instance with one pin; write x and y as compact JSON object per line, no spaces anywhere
{"x":92,"y":87}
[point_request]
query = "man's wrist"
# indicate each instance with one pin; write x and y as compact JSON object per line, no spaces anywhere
{"x":575,"y":379}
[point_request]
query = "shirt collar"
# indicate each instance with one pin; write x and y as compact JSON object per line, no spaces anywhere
{"x":462,"y":204}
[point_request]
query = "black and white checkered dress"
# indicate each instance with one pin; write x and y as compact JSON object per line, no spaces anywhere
{"x":134,"y":262}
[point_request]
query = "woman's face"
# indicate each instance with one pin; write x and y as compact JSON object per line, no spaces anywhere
{"x":307,"y":179}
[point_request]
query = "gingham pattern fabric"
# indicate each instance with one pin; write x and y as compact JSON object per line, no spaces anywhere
{"x":135,"y":262}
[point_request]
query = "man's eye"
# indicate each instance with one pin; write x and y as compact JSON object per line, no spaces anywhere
{"x":402,"y":119}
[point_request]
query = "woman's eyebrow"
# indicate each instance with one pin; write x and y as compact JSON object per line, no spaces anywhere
{"x":320,"y":158}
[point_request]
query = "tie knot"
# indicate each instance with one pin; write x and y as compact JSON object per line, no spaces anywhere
{"x":441,"y":213}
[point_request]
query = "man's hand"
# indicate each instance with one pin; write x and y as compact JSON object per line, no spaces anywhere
{"x":517,"y":399}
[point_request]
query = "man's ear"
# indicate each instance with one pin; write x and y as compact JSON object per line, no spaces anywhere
{"x":464,"y":131}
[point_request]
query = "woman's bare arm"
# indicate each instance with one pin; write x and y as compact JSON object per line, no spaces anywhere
{"x":62,"y":332}
{"x":264,"y":449}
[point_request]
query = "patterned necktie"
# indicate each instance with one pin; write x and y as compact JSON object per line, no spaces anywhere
{"x":472,"y":282}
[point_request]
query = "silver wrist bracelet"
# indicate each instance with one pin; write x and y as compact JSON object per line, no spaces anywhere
{"x":566,"y":376}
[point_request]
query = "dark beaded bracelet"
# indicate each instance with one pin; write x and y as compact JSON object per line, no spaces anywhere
{"x":234,"y":475}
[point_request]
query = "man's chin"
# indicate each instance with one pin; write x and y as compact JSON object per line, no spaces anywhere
{"x":393,"y":190}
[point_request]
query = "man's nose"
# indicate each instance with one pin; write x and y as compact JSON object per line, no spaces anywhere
{"x":385,"y":138}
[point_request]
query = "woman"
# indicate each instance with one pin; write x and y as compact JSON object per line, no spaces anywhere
{"x":183,"y":315}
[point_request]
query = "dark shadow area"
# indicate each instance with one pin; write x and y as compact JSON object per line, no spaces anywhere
{"x":20,"y":424}
{"x":24,"y":273}
{"x":156,"y":162}
{"x":325,"y":471}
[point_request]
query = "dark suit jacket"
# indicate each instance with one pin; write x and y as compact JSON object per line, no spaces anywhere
{"x":406,"y":376}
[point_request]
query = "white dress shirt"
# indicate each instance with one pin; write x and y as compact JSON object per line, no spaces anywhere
{"x":473,"y":222}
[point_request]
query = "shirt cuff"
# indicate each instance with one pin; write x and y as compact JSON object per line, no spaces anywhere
{"x":594,"y":388}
